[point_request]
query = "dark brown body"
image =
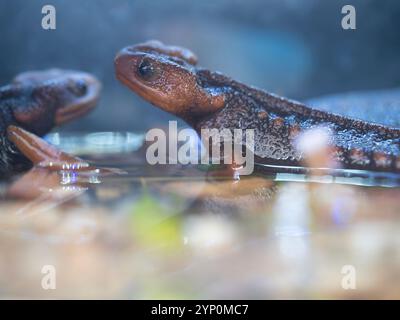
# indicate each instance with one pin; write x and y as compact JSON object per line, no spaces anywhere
{"x":278,"y":122}
{"x":210,"y":100}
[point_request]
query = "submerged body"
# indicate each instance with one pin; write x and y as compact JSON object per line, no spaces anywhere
{"x":39,"y":100}
{"x":168,"y":78}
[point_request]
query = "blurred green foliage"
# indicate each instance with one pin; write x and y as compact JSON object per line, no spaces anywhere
{"x":154,"y":225}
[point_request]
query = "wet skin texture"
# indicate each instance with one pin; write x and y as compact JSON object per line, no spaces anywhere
{"x":39,"y":100}
{"x":168,"y":78}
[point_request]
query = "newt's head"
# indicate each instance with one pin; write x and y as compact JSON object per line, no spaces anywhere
{"x":53,"y":97}
{"x":166,"y":77}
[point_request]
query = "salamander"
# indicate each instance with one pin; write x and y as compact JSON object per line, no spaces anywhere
{"x":167,"y":77}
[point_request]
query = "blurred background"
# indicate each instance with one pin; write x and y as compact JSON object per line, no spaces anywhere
{"x":295,"y":48}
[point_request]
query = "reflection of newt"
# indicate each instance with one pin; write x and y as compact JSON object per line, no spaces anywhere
{"x":38,"y":101}
{"x":167,"y":77}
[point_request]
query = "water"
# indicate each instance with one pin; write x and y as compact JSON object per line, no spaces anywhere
{"x":116,"y":149}
{"x":187,"y":232}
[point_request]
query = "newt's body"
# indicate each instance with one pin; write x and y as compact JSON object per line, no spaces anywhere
{"x":167,"y":77}
{"x":39,"y":100}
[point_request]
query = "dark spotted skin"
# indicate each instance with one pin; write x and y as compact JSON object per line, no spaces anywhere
{"x":37,"y":101}
{"x":278,"y":121}
{"x":168,"y":78}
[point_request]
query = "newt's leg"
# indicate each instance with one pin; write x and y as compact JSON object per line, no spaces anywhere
{"x":44,"y":179}
{"x":42,"y":153}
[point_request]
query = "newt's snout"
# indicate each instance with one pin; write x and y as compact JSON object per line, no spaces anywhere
{"x":83,"y":91}
{"x":126,"y":64}
{"x":164,"y":81}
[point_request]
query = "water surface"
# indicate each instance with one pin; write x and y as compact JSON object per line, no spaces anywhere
{"x":191,"y":232}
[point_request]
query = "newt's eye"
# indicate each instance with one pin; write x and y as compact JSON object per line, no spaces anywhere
{"x":146,"y":70}
{"x":78,"y":88}
{"x":81,"y":88}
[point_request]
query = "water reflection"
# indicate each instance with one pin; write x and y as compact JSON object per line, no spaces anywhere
{"x":176,"y":231}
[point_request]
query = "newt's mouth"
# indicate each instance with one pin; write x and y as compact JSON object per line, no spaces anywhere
{"x":82,"y":105}
{"x":147,"y":93}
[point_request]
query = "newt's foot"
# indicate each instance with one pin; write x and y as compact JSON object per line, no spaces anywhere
{"x":44,"y":155}
{"x":56,"y":175}
{"x":38,"y":150}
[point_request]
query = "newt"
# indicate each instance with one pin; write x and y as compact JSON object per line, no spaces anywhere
{"x":37,"y":101}
{"x":167,"y":77}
